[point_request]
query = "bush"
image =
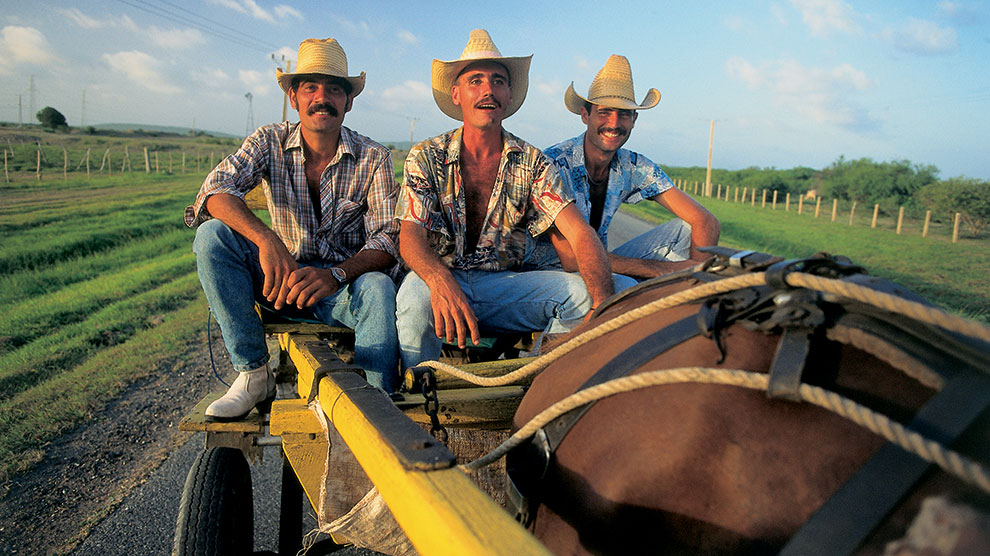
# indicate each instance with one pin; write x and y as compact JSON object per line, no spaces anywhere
{"x":51,"y":118}
{"x":968,"y":196}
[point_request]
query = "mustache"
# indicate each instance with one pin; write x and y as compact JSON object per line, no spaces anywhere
{"x":617,"y":130}
{"x":488,"y":100}
{"x":329,"y":108}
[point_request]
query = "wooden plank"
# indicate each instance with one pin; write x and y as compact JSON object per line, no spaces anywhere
{"x":491,"y":407}
{"x":195,"y":420}
{"x":442,"y":511}
{"x":303,"y":442}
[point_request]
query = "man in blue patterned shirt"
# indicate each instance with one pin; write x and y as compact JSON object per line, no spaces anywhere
{"x":602,"y":176}
{"x":331,"y":253}
{"x":468,"y":202}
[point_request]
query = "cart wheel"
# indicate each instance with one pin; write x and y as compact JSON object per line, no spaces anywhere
{"x":216,"y":514}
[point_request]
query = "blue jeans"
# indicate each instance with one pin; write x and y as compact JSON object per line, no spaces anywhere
{"x":232,"y":279}
{"x":670,"y":241}
{"x":502,"y":302}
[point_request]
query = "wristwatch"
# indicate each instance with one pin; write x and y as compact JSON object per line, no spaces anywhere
{"x":339,"y":275}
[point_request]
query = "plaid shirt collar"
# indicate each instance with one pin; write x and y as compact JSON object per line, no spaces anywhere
{"x":345,"y":145}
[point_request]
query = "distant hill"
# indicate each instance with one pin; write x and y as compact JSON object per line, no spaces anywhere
{"x":161,"y":129}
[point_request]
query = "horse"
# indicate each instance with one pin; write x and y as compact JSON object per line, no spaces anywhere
{"x":710,"y":467}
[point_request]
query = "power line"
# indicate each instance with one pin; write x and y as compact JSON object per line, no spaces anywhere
{"x":207,"y":25}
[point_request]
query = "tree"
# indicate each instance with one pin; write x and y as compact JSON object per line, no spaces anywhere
{"x":888,"y":183}
{"x":51,"y":118}
{"x":969,"y":197}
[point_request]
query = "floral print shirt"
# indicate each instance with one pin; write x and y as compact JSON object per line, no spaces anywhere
{"x":526,"y":198}
{"x":631,"y":178}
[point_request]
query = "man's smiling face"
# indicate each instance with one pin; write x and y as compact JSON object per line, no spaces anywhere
{"x":482,"y":91}
{"x":608,"y":128}
{"x":321,"y":101}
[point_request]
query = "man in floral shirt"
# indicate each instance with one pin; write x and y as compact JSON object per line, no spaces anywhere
{"x":468,"y":202}
{"x":602,"y":176}
{"x":331,"y":253}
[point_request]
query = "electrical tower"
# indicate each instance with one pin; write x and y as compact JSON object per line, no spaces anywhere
{"x":250,"y":116}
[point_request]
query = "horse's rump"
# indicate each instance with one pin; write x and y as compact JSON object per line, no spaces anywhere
{"x":709,"y":468}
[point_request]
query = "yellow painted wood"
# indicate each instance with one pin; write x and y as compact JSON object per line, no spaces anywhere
{"x":304,"y":443}
{"x":441,"y":511}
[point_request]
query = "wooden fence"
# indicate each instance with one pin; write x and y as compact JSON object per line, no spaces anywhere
{"x":836,"y":210}
{"x":40,"y":161}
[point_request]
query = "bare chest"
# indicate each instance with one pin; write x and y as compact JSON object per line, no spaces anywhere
{"x":478,"y":181}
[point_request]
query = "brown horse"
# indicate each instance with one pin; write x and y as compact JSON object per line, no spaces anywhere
{"x":699,"y":468}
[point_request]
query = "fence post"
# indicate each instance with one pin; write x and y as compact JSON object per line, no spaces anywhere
{"x":800,"y":204}
{"x":753,"y":198}
{"x":183,"y":162}
{"x":745,"y":191}
{"x":6,"y":176}
{"x":835,"y":208}
{"x":147,"y":162}
{"x":764,"y":205}
{"x":735,"y":198}
{"x":65,"y":164}
{"x":774,"y":205}
{"x":818,"y":205}
{"x":928,"y":219}
{"x":87,"y":163}
{"x":876,"y":210}
{"x":900,"y":219}
{"x":719,"y":197}
{"x":37,"y":170}
{"x":955,"y":228}
{"x":787,"y":202}
{"x":852,"y":211}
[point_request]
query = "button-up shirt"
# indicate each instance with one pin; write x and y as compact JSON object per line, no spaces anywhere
{"x":357,"y":193}
{"x":526,"y":197}
{"x":631,"y":178}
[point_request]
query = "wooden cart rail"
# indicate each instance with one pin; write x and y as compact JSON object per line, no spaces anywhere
{"x":437,"y":505}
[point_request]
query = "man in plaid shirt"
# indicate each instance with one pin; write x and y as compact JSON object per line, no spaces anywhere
{"x":468,"y":200}
{"x":331,"y":253}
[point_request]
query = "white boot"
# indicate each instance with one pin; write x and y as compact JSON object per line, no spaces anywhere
{"x":248,"y":390}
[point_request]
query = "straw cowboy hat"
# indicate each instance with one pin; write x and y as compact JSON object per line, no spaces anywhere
{"x":323,"y":57}
{"x":612,"y":87}
{"x":480,"y":48}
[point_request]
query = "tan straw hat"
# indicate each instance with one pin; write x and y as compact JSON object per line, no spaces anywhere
{"x":612,"y":87}
{"x":479,"y":48}
{"x":322,"y":57}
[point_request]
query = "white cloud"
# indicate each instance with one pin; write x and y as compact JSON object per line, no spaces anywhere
{"x":582,"y":63}
{"x":211,"y":78}
{"x":408,"y":37}
{"x":825,"y":96}
{"x":355,"y":28}
{"x":23,"y":45}
{"x":82,"y":19}
{"x":285,"y":12}
{"x":141,"y":69}
{"x":918,"y":36}
{"x":408,"y":91}
{"x":259,"y":83}
{"x":175,"y":38}
{"x":825,"y":16}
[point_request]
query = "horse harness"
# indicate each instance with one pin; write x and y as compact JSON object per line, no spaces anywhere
{"x":801,"y":316}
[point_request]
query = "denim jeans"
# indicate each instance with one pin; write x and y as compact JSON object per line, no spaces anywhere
{"x":232,"y":279}
{"x":502,"y":302}
{"x":670,"y":241}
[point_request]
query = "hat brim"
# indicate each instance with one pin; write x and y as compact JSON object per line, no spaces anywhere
{"x":445,"y":73}
{"x":285,"y":80}
{"x":575,"y":102}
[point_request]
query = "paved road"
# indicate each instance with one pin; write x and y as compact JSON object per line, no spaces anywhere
{"x":145,"y":522}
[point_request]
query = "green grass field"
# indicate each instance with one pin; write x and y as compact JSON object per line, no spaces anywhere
{"x":98,"y":286}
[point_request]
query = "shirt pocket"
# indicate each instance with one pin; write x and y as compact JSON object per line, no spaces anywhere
{"x":348,"y":216}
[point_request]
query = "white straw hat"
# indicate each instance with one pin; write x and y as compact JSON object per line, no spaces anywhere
{"x":612,"y":87}
{"x":322,"y":57}
{"x":480,"y":48}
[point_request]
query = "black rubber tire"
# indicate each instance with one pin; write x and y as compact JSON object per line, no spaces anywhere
{"x":216,"y":514}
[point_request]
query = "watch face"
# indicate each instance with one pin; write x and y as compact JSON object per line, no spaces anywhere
{"x":338,"y":274}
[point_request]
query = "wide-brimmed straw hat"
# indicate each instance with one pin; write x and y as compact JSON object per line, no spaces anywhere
{"x":612,"y":87}
{"x":480,"y":48}
{"x":322,"y":57}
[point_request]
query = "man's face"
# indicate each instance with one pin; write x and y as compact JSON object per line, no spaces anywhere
{"x":321,"y":101}
{"x":482,"y":91}
{"x":608,"y":128}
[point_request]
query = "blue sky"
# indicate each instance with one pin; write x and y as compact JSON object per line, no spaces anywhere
{"x":788,"y":82}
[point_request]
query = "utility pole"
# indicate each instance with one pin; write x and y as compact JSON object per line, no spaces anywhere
{"x":708,"y":175}
{"x":250,"y":117}
{"x":31,"y":90}
{"x":285,"y":97}
{"x":412,"y":126}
